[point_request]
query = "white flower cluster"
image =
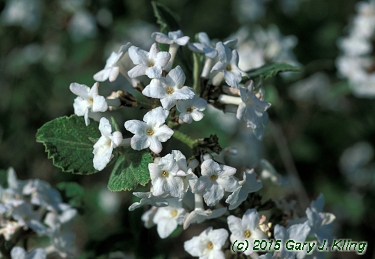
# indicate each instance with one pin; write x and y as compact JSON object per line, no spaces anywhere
{"x":356,"y":62}
{"x":167,"y":85}
{"x":33,"y":205}
{"x":190,"y":191}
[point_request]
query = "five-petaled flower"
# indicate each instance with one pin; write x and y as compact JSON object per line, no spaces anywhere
{"x":246,"y":229}
{"x":169,"y":89}
{"x":214,"y":181}
{"x":208,"y":244}
{"x":104,"y":146}
{"x":88,"y":99}
{"x":148,"y":63}
{"x":228,"y":64}
{"x":151,"y":131}
{"x":191,"y":109}
{"x":163,"y":179}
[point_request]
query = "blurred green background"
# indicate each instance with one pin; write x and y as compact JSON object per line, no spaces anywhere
{"x":55,"y":43}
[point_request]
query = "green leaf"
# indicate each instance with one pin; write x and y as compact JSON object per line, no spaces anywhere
{"x":73,"y":192}
{"x":165,"y":17}
{"x":69,"y":143}
{"x":130,"y":170}
{"x":270,"y":70}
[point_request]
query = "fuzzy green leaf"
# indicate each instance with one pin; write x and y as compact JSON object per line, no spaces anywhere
{"x":270,"y":70}
{"x":130,"y":170}
{"x":69,"y":143}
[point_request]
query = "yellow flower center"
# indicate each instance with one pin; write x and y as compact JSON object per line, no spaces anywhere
{"x":150,"y":132}
{"x":210,"y":245}
{"x":164,"y":174}
{"x":150,"y":63}
{"x":214,"y":177}
{"x":247,"y":233}
{"x":174,"y":213}
{"x":170,"y":90}
{"x":189,"y":109}
{"x":228,"y":68}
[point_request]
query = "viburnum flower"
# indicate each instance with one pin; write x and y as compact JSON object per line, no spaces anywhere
{"x":151,"y":131}
{"x":163,"y":179}
{"x":191,"y":109}
{"x":42,"y":194}
{"x":185,"y":171}
{"x":148,"y":63}
{"x":60,"y":232}
{"x":252,"y":109}
{"x":174,"y":39}
{"x":204,"y":46}
{"x":112,"y":69}
{"x":104,"y":146}
{"x":88,"y":99}
{"x":214,"y":181}
{"x":297,"y":233}
{"x":169,"y":89}
{"x":208,"y":244}
{"x":319,"y":222}
{"x":246,"y":229}
{"x":168,"y":218}
{"x":24,"y":214}
{"x":228,"y":65}
{"x":248,"y":185}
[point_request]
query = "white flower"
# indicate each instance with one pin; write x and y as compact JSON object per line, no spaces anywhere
{"x":319,"y":222}
{"x":112,"y":69}
{"x":174,"y":37}
{"x":214,"y":181}
{"x":104,"y":146}
{"x":148,"y":217}
{"x":27,"y":217}
{"x":88,"y":99}
{"x":191,"y":109}
{"x":18,"y":252}
{"x":228,"y":64}
{"x":167,"y":218}
{"x":208,"y":244}
{"x":151,"y":131}
{"x":204,"y":46}
{"x":169,"y":89}
{"x":43,"y":194}
{"x":148,"y":198}
{"x":246,"y":229}
{"x":252,"y":110}
{"x":163,"y":179}
{"x":297,"y":233}
{"x":148,"y":63}
{"x":248,"y":185}
{"x":185,"y":171}
{"x":62,"y":237}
